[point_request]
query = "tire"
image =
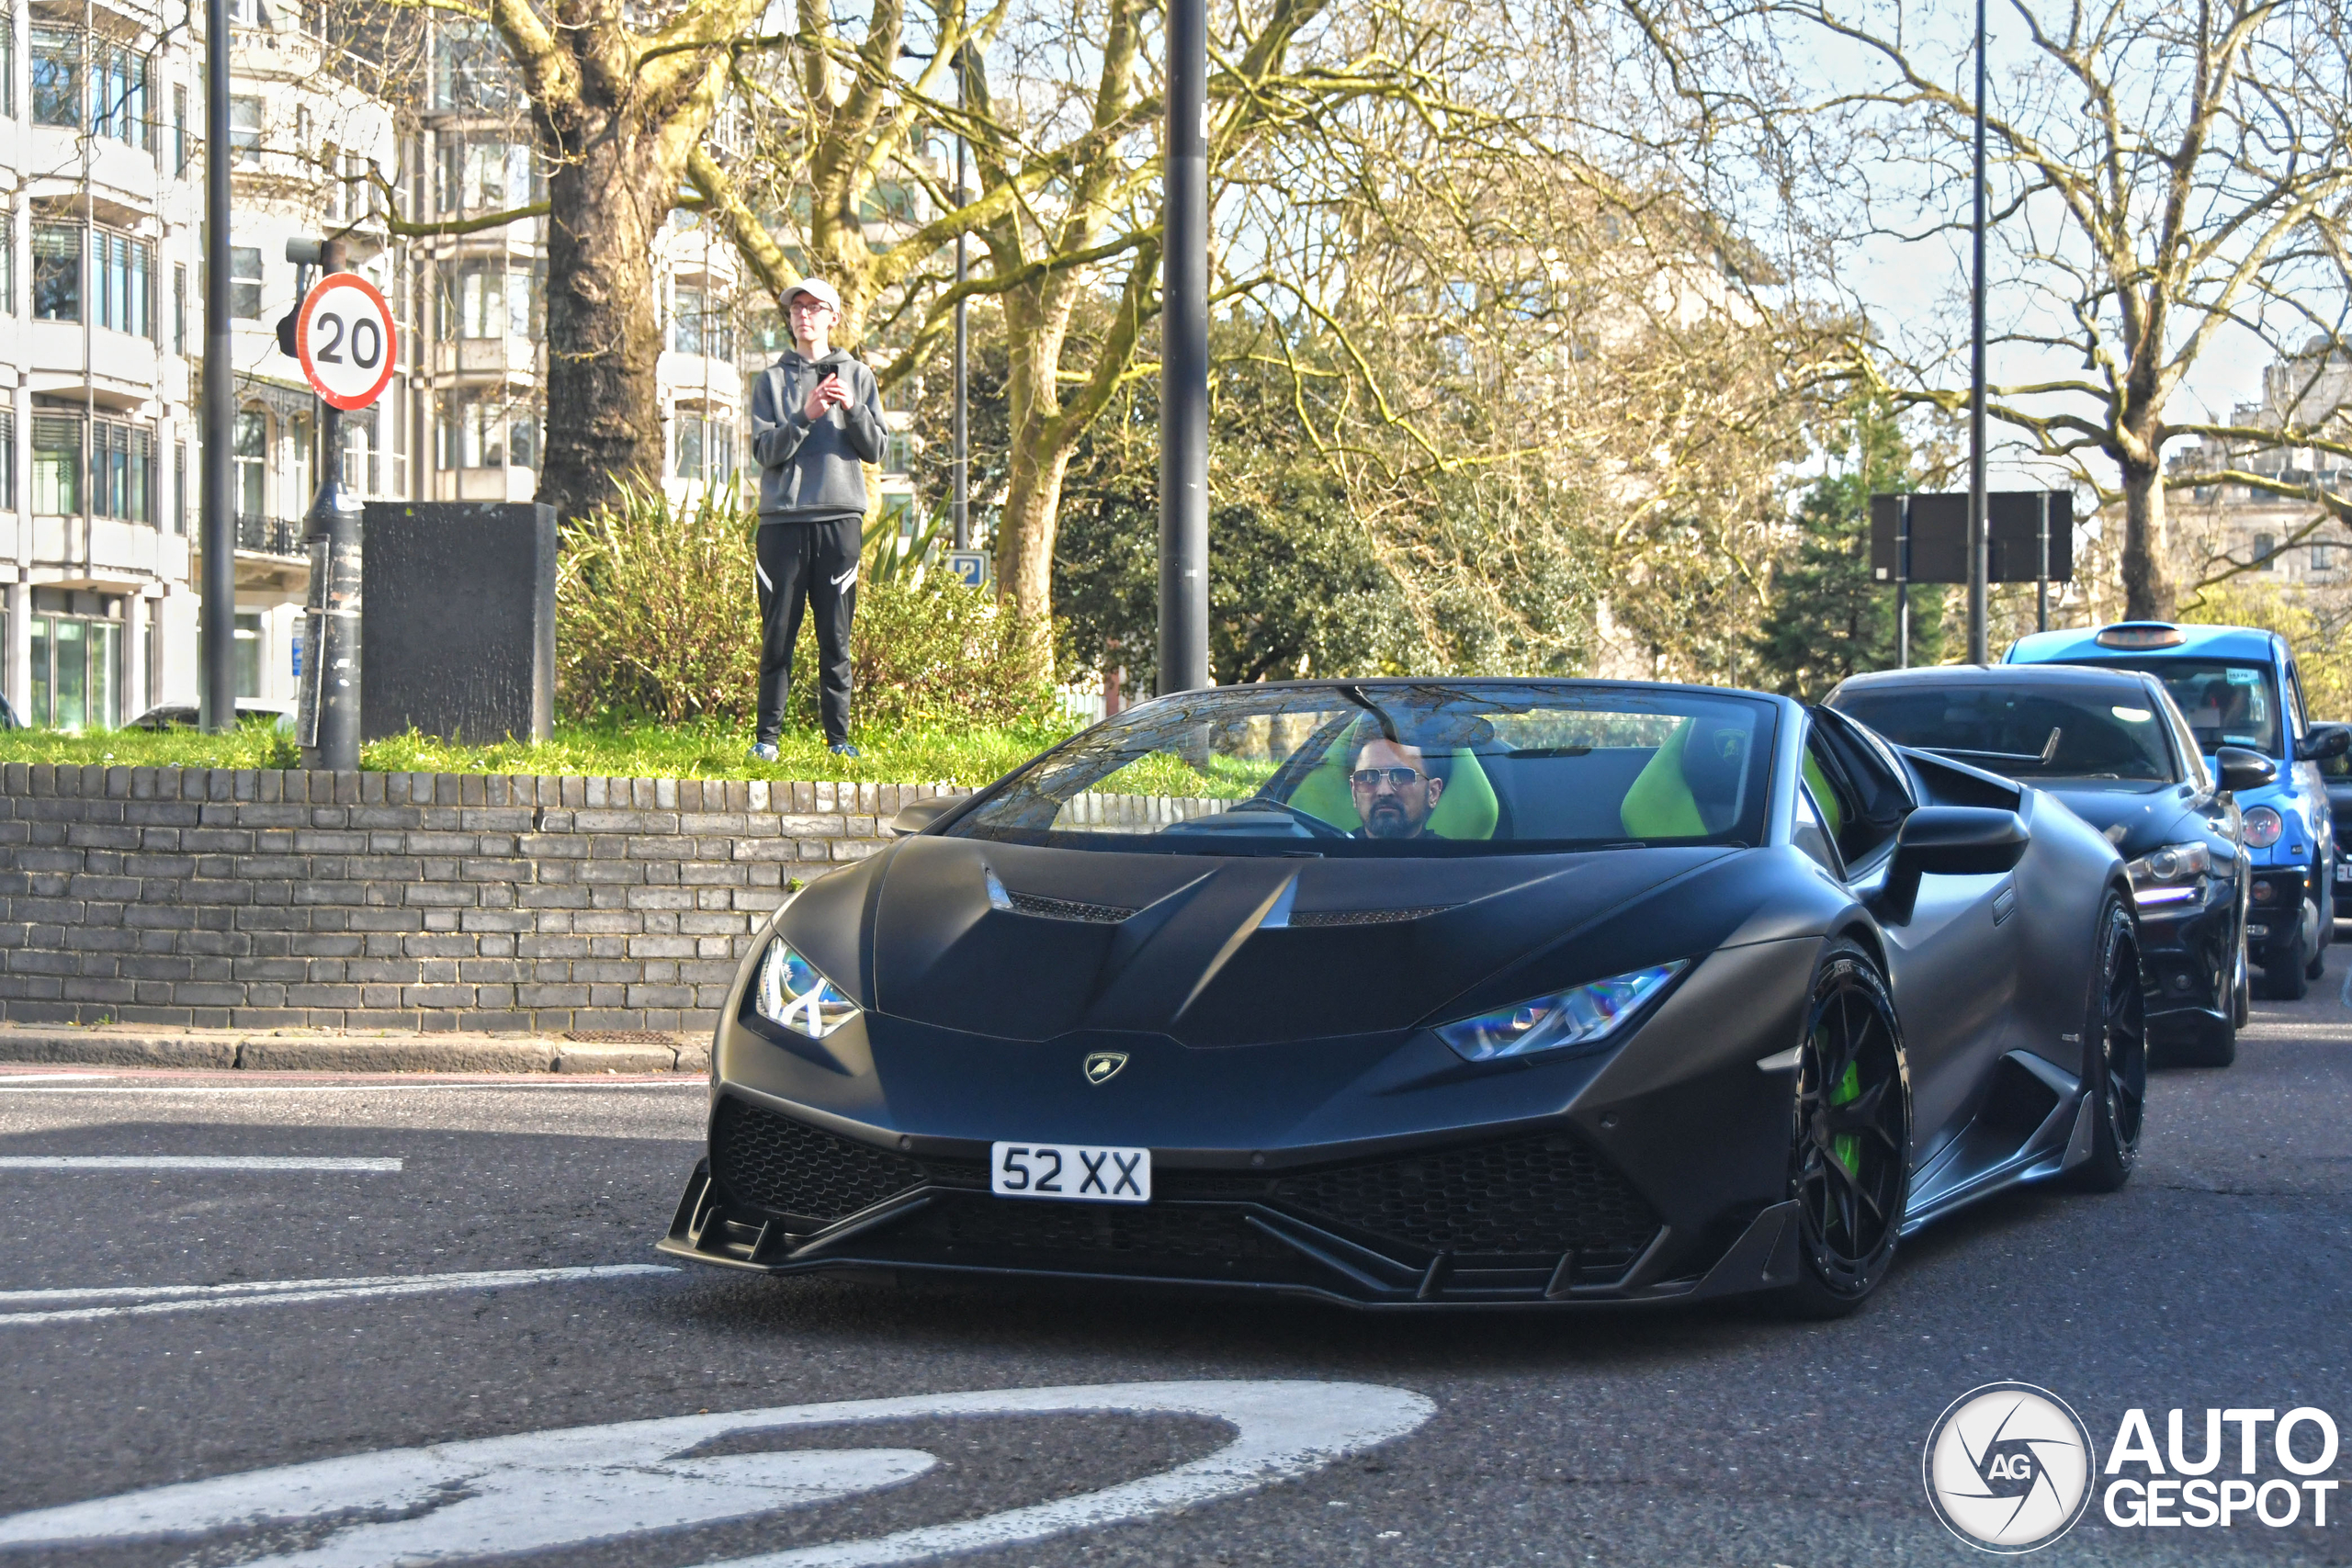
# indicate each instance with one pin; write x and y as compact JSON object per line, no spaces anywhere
{"x":2318,"y":965}
{"x":1849,"y":1144}
{"x":2115,"y":1040}
{"x":2240,"y":994}
{"x":2288,"y":978}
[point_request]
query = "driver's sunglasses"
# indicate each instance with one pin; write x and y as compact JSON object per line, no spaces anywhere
{"x":1370,"y":778}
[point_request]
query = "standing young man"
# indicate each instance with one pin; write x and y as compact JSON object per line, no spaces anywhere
{"x":816,"y":420}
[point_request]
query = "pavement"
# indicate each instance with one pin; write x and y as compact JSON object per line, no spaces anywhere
{"x":351,"y":1051}
{"x":436,"y":1296}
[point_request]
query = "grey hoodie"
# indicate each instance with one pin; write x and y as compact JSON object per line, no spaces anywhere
{"x":811,"y":473}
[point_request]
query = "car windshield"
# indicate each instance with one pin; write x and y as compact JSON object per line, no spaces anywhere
{"x":1420,"y":769}
{"x":2226,"y":705}
{"x":2110,"y":733}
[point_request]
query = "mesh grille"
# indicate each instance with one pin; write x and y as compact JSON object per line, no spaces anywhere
{"x":1365,"y":917}
{"x":793,"y":1169}
{"x":1540,"y":1195}
{"x":1063,"y":909}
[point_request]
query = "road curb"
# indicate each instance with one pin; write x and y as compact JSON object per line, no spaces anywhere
{"x":233,"y":1050}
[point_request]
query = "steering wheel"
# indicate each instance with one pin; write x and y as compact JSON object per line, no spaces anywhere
{"x":1315,"y":825}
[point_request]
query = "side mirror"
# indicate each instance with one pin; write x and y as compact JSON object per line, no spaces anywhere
{"x":2325,"y":742}
{"x":2245,"y":770}
{"x":922,"y":814}
{"x":1949,"y":841}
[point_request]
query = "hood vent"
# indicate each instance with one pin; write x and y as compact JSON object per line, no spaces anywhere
{"x":1365,"y":917}
{"x":1052,"y":908}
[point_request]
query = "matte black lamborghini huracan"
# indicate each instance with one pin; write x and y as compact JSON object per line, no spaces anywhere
{"x":1433,"y":993}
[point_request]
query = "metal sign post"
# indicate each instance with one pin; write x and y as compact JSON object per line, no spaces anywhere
{"x":2041,"y":567}
{"x":343,"y":337}
{"x":1903,"y":584}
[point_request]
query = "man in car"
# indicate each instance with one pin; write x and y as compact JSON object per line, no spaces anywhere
{"x":1395,"y":792}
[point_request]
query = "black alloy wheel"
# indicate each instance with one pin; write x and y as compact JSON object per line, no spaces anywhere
{"x":1850,"y":1163}
{"x":2116,"y":1049}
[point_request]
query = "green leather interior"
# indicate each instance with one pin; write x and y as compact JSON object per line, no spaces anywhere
{"x":1833,"y":816}
{"x":1466,"y":810}
{"x":1658,"y":804}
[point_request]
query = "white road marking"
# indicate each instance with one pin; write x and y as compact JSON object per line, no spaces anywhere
{"x":555,"y":1082}
{"x":571,"y":1488}
{"x":150,"y":1301}
{"x":51,"y":1077}
{"x":192,"y":1162}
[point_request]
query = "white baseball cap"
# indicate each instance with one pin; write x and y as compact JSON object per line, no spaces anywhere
{"x":816,"y":289}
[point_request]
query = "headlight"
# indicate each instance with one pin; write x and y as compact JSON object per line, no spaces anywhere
{"x":792,"y":993}
{"x":2173,"y":875}
{"x":2262,"y":828}
{"x":1578,"y":1020}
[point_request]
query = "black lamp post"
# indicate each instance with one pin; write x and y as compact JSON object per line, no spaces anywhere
{"x":1184,"y":359}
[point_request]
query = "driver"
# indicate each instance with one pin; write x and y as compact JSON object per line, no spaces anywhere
{"x":1395,"y":792}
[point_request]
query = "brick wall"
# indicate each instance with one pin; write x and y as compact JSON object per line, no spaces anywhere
{"x":221,"y":897}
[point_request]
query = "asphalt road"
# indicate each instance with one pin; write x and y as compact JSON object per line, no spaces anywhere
{"x":2216,"y":1279}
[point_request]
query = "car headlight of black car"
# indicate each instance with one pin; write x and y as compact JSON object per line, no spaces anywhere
{"x":1574,"y":1022}
{"x":2176,"y":874}
{"x":792,"y":993}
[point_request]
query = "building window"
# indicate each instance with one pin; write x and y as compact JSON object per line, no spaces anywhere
{"x":57,"y":465}
{"x":179,"y":129}
{"x":252,"y":457}
{"x":245,"y":131}
{"x":686,"y":438}
{"x":120,"y":112}
{"x":485,"y":299}
{"x":125,"y":277}
{"x":8,"y":460}
{"x":179,"y":489}
{"x":700,"y":324}
{"x":57,"y":272}
{"x":245,"y":282}
{"x":248,"y":655}
{"x":484,"y":175}
{"x":7,"y":258}
{"x":2266,"y":552}
{"x":77,"y":655}
{"x":704,"y":446}
{"x":179,"y":309}
{"x":122,"y":471}
{"x":57,"y":77}
{"x":2322,"y":557}
{"x":8,"y":60}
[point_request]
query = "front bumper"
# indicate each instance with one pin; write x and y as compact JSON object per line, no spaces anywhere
{"x":2277,"y":915}
{"x":2189,"y":951}
{"x":1533,"y":1220}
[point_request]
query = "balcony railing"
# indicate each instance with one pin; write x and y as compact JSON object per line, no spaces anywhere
{"x":270,"y":535}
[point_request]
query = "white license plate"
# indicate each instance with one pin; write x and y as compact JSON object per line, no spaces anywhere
{"x":2344,"y":871}
{"x":1083,"y":1173}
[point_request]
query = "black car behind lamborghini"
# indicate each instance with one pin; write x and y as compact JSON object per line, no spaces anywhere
{"x":2113,"y":746}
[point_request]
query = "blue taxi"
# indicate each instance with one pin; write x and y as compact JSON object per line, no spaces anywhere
{"x":2237,"y":687}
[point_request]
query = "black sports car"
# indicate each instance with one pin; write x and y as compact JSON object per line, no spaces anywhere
{"x":1410,"y":993}
{"x":2113,"y":746}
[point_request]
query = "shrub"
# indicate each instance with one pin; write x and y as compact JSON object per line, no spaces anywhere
{"x":656,"y":616}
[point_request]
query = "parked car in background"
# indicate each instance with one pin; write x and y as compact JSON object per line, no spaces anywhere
{"x":2111,"y":745}
{"x":2237,"y":687}
{"x":8,"y":720}
{"x":2338,"y":772}
{"x":186,"y":716}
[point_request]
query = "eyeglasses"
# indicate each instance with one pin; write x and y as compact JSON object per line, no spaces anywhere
{"x":1370,"y":778}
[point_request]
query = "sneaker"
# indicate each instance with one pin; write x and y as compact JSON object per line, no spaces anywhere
{"x":844,"y":749}
{"x":764,"y":752}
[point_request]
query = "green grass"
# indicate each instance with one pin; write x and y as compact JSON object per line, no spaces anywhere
{"x":612,"y":751}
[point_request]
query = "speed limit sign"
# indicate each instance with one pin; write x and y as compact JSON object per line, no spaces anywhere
{"x":343,"y":335}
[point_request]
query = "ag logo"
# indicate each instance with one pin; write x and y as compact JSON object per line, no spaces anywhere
{"x":2009,"y":1467}
{"x":1102,"y":1067}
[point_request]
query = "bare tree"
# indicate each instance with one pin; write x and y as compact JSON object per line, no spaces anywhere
{"x":2168,"y":181}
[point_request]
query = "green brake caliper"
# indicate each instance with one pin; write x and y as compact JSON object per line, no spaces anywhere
{"x":1848,"y":1145}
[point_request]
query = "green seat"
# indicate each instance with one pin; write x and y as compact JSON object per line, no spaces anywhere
{"x":1658,"y":802}
{"x":1833,"y":816}
{"x":1466,"y":810}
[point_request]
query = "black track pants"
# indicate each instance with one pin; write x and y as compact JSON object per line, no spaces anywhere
{"x":818,"y":560}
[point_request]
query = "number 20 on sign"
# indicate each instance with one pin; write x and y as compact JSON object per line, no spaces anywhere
{"x":343,"y":337}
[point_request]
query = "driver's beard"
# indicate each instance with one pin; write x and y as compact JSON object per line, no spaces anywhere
{"x":1388,"y":820}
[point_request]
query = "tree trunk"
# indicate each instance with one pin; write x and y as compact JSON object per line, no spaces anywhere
{"x":609,"y":194}
{"x":1024,"y":547}
{"x":2149,"y":592}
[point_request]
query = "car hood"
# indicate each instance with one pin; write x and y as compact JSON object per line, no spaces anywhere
{"x":1023,"y":942}
{"x":2134,"y":821}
